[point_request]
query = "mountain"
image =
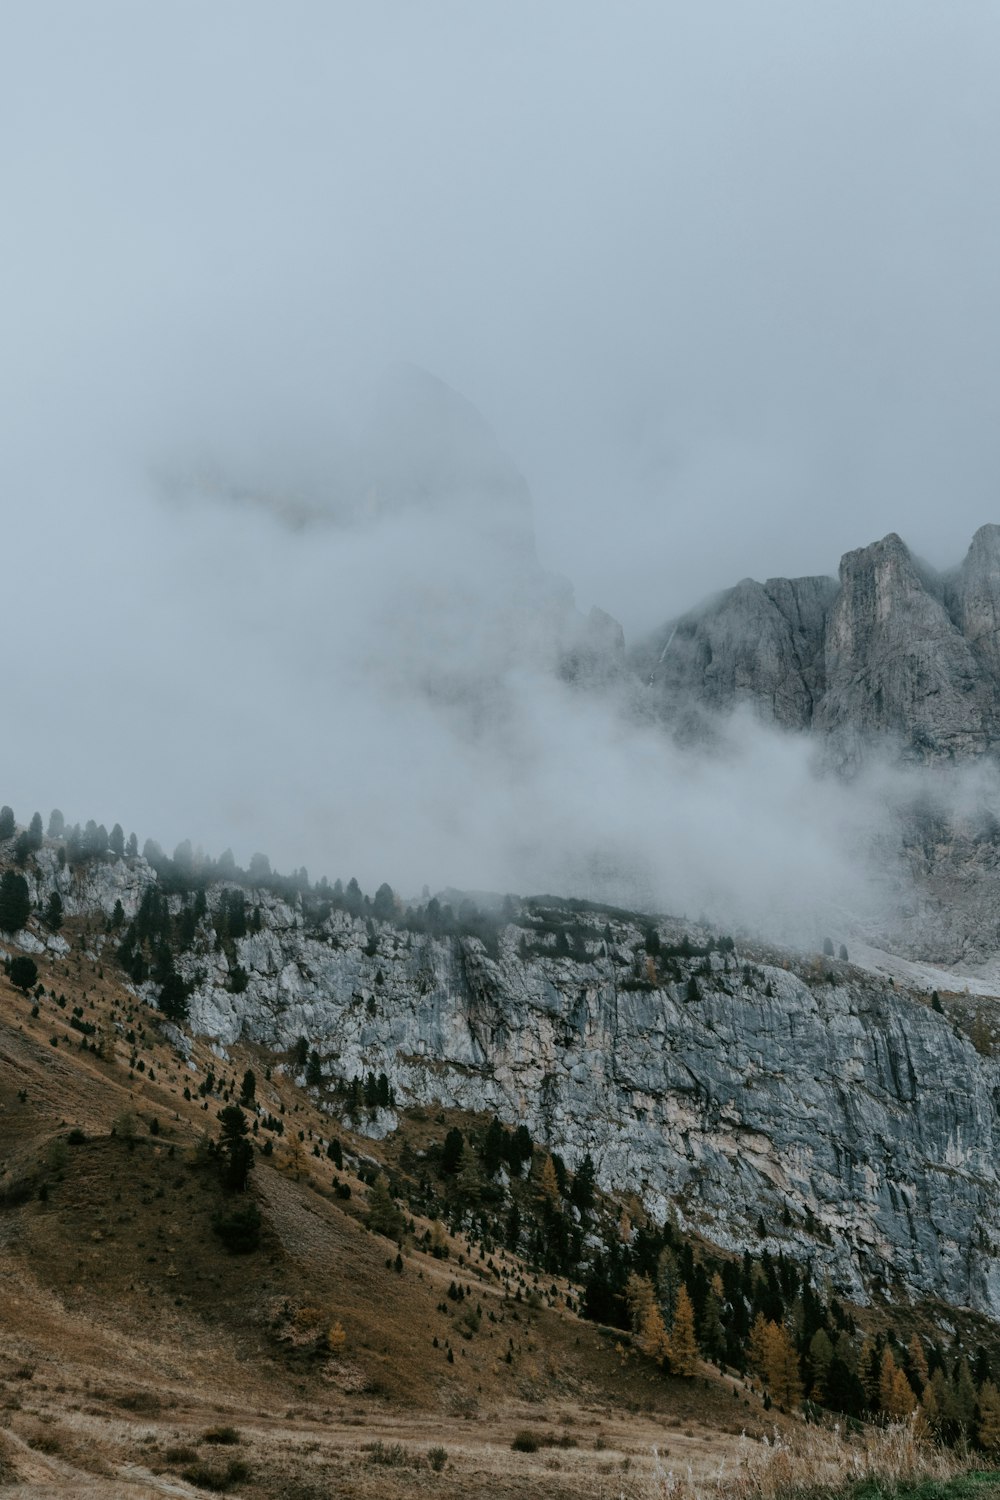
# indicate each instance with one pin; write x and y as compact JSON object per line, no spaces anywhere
{"x":716,"y":1083}
{"x":891,"y":653}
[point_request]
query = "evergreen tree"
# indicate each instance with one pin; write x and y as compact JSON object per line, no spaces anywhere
{"x":7,"y":824}
{"x":582,"y":1191}
{"x":174,"y":995}
{"x":15,"y":902}
{"x":35,"y":831}
{"x":248,"y":1089}
{"x":820,"y":1359}
{"x":116,"y":840}
{"x":235,"y":1148}
{"x":23,"y":972}
{"x":314,"y":1070}
{"x":383,"y":1216}
{"x":132,"y":847}
{"x":57,"y":824}
{"x":493,"y":1148}
{"x":451,"y":1155}
{"x":988,"y":1427}
{"x":384,"y":905}
{"x":53,"y":912}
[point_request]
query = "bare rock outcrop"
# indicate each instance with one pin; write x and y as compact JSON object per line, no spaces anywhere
{"x":892,"y":654}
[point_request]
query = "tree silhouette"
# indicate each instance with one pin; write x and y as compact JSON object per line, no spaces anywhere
{"x":23,"y":972}
{"x":235,"y":1148}
{"x":15,"y":903}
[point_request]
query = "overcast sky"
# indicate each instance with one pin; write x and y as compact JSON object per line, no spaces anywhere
{"x":721,"y":277}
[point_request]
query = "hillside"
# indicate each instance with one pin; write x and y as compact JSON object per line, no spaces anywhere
{"x":498,"y":1296}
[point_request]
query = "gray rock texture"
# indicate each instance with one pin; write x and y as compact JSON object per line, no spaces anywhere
{"x":857,"y":1122}
{"x":769,"y":1088}
{"x":891,"y":652}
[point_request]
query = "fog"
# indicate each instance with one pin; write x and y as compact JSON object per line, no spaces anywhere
{"x":720,"y":280}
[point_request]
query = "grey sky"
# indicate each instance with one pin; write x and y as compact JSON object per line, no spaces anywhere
{"x":722,"y":277}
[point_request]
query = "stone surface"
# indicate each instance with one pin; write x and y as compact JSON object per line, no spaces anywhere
{"x":893,"y":652}
{"x":773,"y":1089}
{"x":851,"y":1105}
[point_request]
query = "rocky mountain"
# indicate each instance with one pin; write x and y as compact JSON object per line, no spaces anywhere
{"x":804,"y":1105}
{"x":890,"y":652}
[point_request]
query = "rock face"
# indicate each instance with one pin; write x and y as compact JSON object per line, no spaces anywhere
{"x":857,"y":1122}
{"x":894,"y":652}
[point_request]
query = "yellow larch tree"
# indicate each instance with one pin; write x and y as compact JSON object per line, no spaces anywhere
{"x":683,"y":1342}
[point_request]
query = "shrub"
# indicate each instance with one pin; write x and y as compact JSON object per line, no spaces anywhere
{"x":205,"y":1477}
{"x":526,"y":1442}
{"x":389,"y":1455}
{"x":226,"y":1435}
{"x":239,"y":1228}
{"x":437,"y":1458}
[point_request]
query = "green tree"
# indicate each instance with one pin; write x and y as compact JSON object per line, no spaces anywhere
{"x":116,"y":840}
{"x":493,"y":1148}
{"x":248,"y":1089}
{"x":15,"y":903}
{"x":7,"y":824}
{"x":384,"y":905}
{"x":53,"y":912}
{"x":132,"y":847}
{"x":35,"y":831}
{"x":582,"y":1191}
{"x":174,"y":997}
{"x":57,"y":824}
{"x":383,"y":1215}
{"x":314,"y":1070}
{"x":23,"y":972}
{"x":451,"y":1155}
{"x":236,"y":1150}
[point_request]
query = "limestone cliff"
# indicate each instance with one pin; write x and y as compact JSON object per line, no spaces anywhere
{"x":893,"y":652}
{"x":857,"y":1122}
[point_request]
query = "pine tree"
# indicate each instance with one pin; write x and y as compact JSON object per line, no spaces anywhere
{"x":548,"y":1185}
{"x":383,"y":1215}
{"x":23,"y":972}
{"x":988,"y":1430}
{"x":15,"y":902}
{"x":886,"y":1380}
{"x":683,"y":1343}
{"x":784,"y":1380}
{"x":918,"y":1363}
{"x":902,"y":1401}
{"x":236,"y":1149}
{"x":7,"y":824}
{"x":54,"y":912}
{"x":820,"y":1356}
{"x":639,"y":1299}
{"x":582,"y":1191}
{"x":653,"y":1338}
{"x":493,"y":1148}
{"x":451,"y":1155}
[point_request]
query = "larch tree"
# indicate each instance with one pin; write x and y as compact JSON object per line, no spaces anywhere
{"x":683,"y":1341}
